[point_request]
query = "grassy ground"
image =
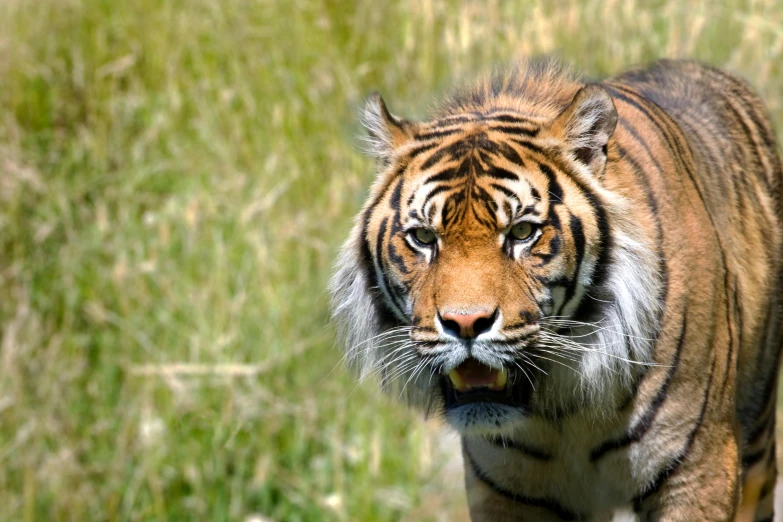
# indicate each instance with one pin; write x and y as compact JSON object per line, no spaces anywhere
{"x":175,"y":177}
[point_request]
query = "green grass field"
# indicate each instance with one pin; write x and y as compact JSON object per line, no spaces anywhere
{"x":175,"y":178}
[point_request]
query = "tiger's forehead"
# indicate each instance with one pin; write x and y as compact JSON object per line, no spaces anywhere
{"x":471,"y":175}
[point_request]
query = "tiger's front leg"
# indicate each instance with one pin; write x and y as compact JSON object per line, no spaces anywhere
{"x":705,"y":486}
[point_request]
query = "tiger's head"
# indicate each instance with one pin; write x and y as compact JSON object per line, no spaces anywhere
{"x":491,"y":273}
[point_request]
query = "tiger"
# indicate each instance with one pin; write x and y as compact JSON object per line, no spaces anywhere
{"x":583,"y":278}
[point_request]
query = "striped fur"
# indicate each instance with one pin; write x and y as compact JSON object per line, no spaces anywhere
{"x":642,"y":315}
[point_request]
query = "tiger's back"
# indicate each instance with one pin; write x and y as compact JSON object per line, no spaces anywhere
{"x":738,"y":175}
{"x":740,"y":180}
{"x":630,"y":363}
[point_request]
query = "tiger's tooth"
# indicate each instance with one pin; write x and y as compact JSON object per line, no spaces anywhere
{"x":501,"y":379}
{"x":457,"y":381}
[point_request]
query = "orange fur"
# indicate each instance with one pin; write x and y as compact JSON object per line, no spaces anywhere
{"x":640,"y":319}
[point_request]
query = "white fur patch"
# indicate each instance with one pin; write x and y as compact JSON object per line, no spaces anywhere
{"x":369,"y":348}
{"x":620,"y":345}
{"x":378,"y":139}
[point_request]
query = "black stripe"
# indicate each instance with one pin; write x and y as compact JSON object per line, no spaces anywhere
{"x":671,"y":144}
{"x":766,"y":421}
{"x":601,"y":271}
{"x":554,"y":188}
{"x":765,"y":415}
{"x":434,"y":192}
{"x":509,"y":154}
{"x":396,"y":259}
{"x":450,"y":120}
{"x":483,"y":196}
{"x":507,"y":207}
{"x":386,"y":315}
{"x":578,"y":235}
{"x":540,"y":502}
{"x":505,"y":113}
{"x":480,"y":219}
{"x":638,"y":170}
{"x":500,"y":173}
{"x":461,"y":171}
{"x":450,"y":213}
{"x":554,"y":249}
{"x":652,"y":202}
{"x":528,"y":317}
{"x":508,"y":193}
{"x":630,"y":129}
{"x":731,"y":297}
{"x":421,"y":329}
{"x":769,"y":487}
{"x":518,"y":326}
{"x":638,"y":431}
{"x":445,"y":175}
{"x":435,"y":158}
{"x":529,"y":210}
{"x":750,"y":459}
{"x":508,"y":118}
{"x":558,"y":281}
{"x":396,"y":228}
{"x":390,"y":290}
{"x":394,"y":200}
{"x":367,"y":261}
{"x":532,"y":133}
{"x":397,"y":174}
{"x":753,"y":146}
{"x":675,"y":462}
{"x":420,"y":149}
{"x":526,"y":144}
{"x":431,"y":213}
{"x":437,"y":134}
{"x":741,"y":89}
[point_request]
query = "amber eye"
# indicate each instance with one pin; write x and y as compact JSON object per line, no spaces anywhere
{"x":425,"y":236}
{"x":522,"y":231}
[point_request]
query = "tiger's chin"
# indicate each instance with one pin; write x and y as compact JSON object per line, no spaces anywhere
{"x":489,"y":418}
{"x":479,"y":400}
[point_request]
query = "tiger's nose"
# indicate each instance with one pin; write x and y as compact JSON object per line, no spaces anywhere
{"x":467,"y":325}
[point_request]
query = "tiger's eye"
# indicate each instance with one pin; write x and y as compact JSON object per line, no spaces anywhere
{"x":425,"y":236}
{"x":522,"y":230}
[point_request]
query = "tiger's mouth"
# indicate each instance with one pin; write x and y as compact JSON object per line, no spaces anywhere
{"x":474,"y":382}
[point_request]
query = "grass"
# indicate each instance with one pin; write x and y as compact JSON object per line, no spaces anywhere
{"x":175,"y":177}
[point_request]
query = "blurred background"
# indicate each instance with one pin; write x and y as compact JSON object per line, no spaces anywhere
{"x":175,"y":179}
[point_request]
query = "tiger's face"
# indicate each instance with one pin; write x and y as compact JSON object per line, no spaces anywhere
{"x":482,"y":236}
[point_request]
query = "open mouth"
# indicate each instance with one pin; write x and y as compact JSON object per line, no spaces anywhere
{"x":474,"y":382}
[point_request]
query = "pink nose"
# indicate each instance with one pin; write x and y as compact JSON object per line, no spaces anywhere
{"x":467,"y":325}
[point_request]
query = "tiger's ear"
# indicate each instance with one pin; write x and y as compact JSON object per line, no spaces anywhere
{"x":386,"y":132}
{"x":586,"y":126}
